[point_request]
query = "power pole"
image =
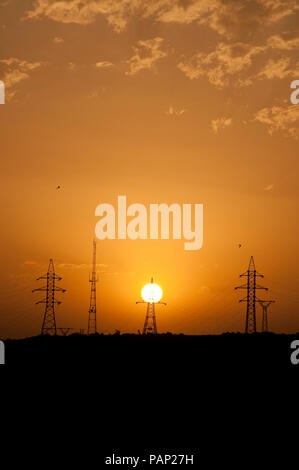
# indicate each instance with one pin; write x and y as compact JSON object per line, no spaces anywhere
{"x":265,"y":304}
{"x":92,"y":312}
{"x":251,"y":286}
{"x":150,"y":324}
{"x":49,"y":321}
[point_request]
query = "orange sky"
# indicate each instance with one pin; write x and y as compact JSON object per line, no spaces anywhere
{"x":161,"y":101}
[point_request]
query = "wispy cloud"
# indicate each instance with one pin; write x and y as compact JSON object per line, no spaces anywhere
{"x":276,"y":69}
{"x":228,"y":17}
{"x":220,"y":123}
{"x":221,"y":64}
{"x":147,"y":53}
{"x":58,"y":40}
{"x":15,"y":71}
{"x":72,"y":66}
{"x":104,"y":64}
{"x":172,"y":111}
{"x":117,"y":12}
{"x":279,"y":118}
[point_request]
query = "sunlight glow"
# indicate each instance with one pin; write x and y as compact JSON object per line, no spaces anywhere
{"x":151,"y":293}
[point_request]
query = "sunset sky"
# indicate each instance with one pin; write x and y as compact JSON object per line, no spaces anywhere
{"x":175,"y":101}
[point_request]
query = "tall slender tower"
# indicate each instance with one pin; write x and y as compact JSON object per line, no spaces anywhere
{"x":49,"y":320}
{"x":92,"y":312}
{"x":265,"y":304}
{"x":151,"y":294}
{"x":251,"y":286}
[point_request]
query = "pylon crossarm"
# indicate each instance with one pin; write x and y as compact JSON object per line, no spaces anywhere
{"x":140,"y":302}
{"x":162,"y":303}
{"x":39,"y":289}
{"x":261,"y":287}
{"x":241,"y":287}
{"x":59,"y":289}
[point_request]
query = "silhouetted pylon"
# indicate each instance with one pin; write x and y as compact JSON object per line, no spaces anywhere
{"x":49,"y":320}
{"x":92,"y":312}
{"x":251,"y":286}
{"x":265,"y":304}
{"x":150,"y":324}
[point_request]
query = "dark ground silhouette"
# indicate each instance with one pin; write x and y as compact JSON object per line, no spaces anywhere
{"x":135,"y":395}
{"x":229,"y":351}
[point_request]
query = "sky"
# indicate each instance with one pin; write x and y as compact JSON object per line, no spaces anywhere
{"x":164,"y":101}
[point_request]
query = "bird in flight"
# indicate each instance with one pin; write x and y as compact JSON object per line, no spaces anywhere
{"x":58,"y":187}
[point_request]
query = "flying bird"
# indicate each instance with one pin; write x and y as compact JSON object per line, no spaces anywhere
{"x":58,"y":187}
{"x":240,"y":246}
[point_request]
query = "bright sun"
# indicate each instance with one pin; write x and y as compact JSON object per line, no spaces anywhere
{"x":151,"y":293}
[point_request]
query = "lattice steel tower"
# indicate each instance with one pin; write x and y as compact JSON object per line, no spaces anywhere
{"x":265,"y":304}
{"x":150,"y":324}
{"x":251,"y":286}
{"x":49,"y":320}
{"x":92,"y":312}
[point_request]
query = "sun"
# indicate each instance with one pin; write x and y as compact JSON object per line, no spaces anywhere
{"x":151,"y":293}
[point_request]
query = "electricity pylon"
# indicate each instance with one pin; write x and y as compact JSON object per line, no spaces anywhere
{"x":150,"y":324}
{"x":265,"y":304}
{"x":49,"y":321}
{"x":251,"y":286}
{"x":92,"y":312}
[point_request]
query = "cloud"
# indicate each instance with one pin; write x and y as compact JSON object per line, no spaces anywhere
{"x":72,"y":66}
{"x":286,"y":41}
{"x":278,"y":118}
{"x":117,"y":12}
{"x":233,"y":18}
{"x":147,"y":52}
{"x":58,"y":40}
{"x":276,"y":68}
{"x":220,"y":123}
{"x":227,"y":17}
{"x":15,"y":71}
{"x":175,"y":112}
{"x":218,"y":66}
{"x":104,"y":64}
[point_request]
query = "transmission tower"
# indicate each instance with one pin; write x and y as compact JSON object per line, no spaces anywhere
{"x":49,"y":321}
{"x":92,"y":312}
{"x":150,"y":324}
{"x":265,"y":304}
{"x":251,"y":286}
